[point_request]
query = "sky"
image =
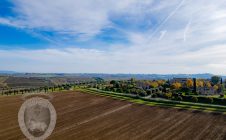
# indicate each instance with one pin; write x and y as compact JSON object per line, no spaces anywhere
{"x":108,"y":36}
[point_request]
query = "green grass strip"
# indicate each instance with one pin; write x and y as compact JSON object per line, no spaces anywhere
{"x":177,"y":105}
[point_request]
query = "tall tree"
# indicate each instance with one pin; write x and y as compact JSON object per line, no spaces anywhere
{"x":194,"y":85}
{"x":189,"y":83}
{"x":199,"y":83}
{"x":208,"y":84}
{"x":215,"y":79}
{"x":177,"y":85}
{"x":154,"y":84}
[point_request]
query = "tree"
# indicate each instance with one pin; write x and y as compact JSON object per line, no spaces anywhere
{"x":117,"y":85}
{"x":199,"y":83}
{"x":142,"y":93}
{"x":132,"y":80}
{"x":179,"y":98}
{"x":99,"y":80}
{"x":177,"y":85}
{"x":210,"y":100}
{"x":189,"y":83}
{"x":149,"y":91}
{"x":161,"y":82}
{"x":208,"y":84}
{"x":215,"y":87}
{"x":215,"y":79}
{"x":195,"y":85}
{"x":168,"y":95}
{"x":194,"y":99}
{"x":154,"y":95}
{"x":154,"y":84}
{"x":113,"y":82}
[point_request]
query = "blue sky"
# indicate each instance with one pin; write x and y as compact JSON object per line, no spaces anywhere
{"x":126,"y":36}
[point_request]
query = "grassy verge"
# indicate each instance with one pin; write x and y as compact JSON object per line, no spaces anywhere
{"x":179,"y":105}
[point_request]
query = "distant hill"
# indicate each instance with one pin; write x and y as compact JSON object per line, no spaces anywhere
{"x":149,"y":76}
{"x":106,"y":76}
{"x":7,"y":72}
{"x":11,"y":81}
{"x":28,"y":80}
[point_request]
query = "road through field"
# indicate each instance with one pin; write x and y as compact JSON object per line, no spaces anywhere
{"x":84,"y":116}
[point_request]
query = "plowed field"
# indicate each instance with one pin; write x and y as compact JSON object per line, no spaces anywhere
{"x":85,"y":117}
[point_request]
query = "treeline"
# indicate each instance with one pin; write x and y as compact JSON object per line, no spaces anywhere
{"x":44,"y":89}
{"x":186,"y":91}
{"x":132,"y":86}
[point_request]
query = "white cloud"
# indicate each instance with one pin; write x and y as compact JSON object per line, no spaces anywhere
{"x":73,"y":17}
{"x":129,"y":60}
{"x":203,"y":51}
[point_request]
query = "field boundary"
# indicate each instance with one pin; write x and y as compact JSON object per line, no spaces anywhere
{"x":177,"y":105}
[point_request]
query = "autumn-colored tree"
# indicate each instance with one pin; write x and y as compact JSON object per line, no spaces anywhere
{"x":176,"y":85}
{"x":215,"y":87}
{"x":189,"y":83}
{"x":168,"y":95}
{"x":200,"y":83}
{"x":154,"y":84}
{"x":208,"y":84}
{"x":161,"y":82}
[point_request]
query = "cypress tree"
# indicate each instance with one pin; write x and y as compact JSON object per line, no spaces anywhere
{"x":194,"y":85}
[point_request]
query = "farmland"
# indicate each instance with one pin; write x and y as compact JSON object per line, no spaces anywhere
{"x":9,"y":82}
{"x":88,"y":116}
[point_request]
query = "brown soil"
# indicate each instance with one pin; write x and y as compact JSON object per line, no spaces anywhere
{"x":83,"y":116}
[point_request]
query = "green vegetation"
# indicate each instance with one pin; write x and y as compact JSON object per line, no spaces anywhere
{"x":215,"y":80}
{"x":179,"y":89}
{"x":45,"y":89}
{"x":162,"y":103}
{"x":179,"y":93}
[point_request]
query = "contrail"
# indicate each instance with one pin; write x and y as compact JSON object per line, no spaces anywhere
{"x":162,"y":34}
{"x":186,"y":30}
{"x":167,"y":18}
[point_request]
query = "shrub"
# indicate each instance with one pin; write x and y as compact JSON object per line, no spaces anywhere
{"x":133,"y":91}
{"x":142,"y":93}
{"x":194,"y":99}
{"x":179,"y":98}
{"x":149,"y":92}
{"x":168,"y":95}
{"x":224,"y":101}
{"x":154,"y":95}
{"x":210,"y":100}
{"x":114,"y":89}
{"x":107,"y":88}
{"x":185,"y":89}
{"x":119,"y":90}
